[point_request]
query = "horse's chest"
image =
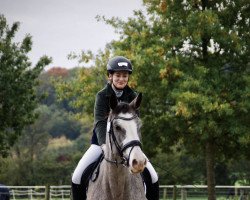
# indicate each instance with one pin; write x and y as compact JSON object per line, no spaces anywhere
{"x":116,"y":185}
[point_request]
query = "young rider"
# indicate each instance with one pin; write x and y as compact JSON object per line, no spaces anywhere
{"x":119,"y":68}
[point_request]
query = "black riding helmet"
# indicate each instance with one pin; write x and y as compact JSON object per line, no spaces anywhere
{"x":119,"y":63}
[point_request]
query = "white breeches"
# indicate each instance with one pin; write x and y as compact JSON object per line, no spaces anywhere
{"x":152,"y":172}
{"x":91,"y":155}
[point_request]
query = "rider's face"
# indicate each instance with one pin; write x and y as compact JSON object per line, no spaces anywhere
{"x":119,"y":79}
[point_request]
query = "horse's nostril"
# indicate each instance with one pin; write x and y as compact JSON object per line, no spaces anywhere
{"x":145,"y":162}
{"x":134,"y":162}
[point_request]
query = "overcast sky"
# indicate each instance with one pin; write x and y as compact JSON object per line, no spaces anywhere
{"x":59,"y":27}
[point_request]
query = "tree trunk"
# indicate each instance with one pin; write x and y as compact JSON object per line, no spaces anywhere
{"x":210,"y":157}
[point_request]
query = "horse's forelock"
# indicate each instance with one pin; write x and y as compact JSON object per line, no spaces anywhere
{"x":122,"y":108}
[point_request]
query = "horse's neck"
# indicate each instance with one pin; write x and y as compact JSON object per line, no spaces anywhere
{"x":116,"y":175}
{"x":117,"y":170}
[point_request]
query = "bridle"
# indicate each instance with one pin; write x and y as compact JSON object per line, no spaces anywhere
{"x":124,"y":161}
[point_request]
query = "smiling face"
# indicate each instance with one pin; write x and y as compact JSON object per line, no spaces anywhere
{"x":119,"y":79}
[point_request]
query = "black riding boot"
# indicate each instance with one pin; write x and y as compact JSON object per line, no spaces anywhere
{"x":78,"y":192}
{"x":152,"y":192}
{"x":152,"y":189}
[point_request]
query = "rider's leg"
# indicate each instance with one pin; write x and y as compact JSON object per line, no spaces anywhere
{"x":82,"y":171}
{"x":151,"y":180}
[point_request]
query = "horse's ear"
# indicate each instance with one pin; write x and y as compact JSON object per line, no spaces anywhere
{"x":113,"y":101}
{"x":136,"y":102}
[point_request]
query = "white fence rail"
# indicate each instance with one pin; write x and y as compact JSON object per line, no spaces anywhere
{"x":167,"y":192}
{"x":199,"y":192}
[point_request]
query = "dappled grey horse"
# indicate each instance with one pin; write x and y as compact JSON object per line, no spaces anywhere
{"x":119,"y":172}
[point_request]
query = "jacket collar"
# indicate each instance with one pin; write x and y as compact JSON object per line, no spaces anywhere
{"x":110,"y":91}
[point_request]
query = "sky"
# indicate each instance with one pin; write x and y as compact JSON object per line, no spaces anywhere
{"x":59,"y":27}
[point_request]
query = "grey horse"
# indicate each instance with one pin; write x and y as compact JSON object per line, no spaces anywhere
{"x":119,"y":172}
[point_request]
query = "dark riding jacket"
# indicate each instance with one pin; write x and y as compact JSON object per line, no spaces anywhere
{"x":102,"y":109}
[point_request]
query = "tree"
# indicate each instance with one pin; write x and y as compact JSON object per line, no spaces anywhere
{"x":178,"y":167}
{"x":81,"y":89}
{"x":46,"y":88}
{"x":192,"y":63}
{"x":17,"y":82}
{"x":37,"y":158}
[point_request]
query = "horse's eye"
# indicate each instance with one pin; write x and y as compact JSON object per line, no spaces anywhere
{"x":118,"y":128}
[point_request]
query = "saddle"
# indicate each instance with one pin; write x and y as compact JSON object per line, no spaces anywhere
{"x":91,"y":172}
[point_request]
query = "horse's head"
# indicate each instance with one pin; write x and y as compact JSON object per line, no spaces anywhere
{"x":123,"y":134}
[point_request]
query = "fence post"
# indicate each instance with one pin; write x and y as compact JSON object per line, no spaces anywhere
{"x":174,"y":192}
{"x":30,"y":193}
{"x":164,"y":193}
{"x":183,"y":194}
{"x":47,"y":192}
{"x":13,"y":194}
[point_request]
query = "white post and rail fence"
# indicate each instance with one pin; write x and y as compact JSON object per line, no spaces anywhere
{"x":167,"y":192}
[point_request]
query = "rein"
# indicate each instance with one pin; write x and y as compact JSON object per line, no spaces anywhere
{"x":124,"y":161}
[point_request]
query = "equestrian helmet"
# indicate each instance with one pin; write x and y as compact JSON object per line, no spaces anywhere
{"x":119,"y":63}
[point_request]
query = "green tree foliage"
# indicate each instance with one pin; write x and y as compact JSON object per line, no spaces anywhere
{"x":27,"y":149}
{"x":192,"y":63}
{"x":63,"y":123}
{"x":43,"y":154}
{"x":179,"y":168}
{"x":81,"y":90}
{"x":60,"y":115}
{"x":17,"y":82}
{"x":49,"y":164}
{"x":238,"y":170}
{"x":46,"y":89}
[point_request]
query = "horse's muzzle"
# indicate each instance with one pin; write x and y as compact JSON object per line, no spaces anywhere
{"x":138,"y":161}
{"x":138,"y":166}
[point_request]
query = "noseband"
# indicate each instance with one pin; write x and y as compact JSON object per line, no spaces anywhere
{"x":124,"y":161}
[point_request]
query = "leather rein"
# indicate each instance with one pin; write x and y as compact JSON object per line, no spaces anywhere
{"x":124,"y":161}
